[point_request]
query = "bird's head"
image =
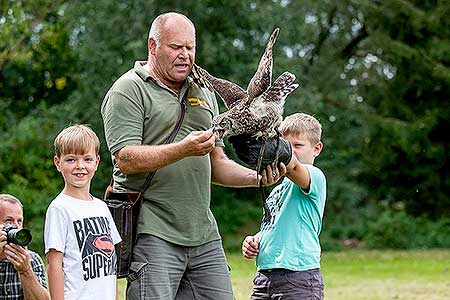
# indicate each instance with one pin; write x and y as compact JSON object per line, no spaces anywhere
{"x":223,"y":124}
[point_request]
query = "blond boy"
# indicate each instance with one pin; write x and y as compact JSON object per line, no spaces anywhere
{"x":80,"y":233}
{"x":287,"y":247}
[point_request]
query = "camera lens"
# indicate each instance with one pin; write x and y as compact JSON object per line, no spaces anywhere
{"x":23,"y":237}
{"x":20,"y":237}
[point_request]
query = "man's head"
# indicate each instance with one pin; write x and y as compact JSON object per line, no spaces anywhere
{"x":11,"y":211}
{"x":76,"y":155}
{"x":171,"y":49}
{"x":304,"y":133}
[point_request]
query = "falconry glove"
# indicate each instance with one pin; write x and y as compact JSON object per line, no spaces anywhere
{"x":248,"y":150}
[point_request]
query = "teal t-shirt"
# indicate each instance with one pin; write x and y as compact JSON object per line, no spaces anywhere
{"x":290,"y":238}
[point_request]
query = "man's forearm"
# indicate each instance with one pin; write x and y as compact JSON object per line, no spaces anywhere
{"x":229,"y":173}
{"x":146,"y":158}
{"x":32,"y":289}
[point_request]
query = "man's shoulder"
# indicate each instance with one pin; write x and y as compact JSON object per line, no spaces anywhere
{"x":126,"y":80}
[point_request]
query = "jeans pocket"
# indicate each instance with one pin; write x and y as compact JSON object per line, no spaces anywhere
{"x":136,"y":281}
{"x":136,"y":270}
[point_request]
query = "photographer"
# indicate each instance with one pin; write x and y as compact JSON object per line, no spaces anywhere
{"x":22,"y":272}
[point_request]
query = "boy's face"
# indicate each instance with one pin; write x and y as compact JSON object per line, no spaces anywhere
{"x":302,"y":148}
{"x":77,"y":169}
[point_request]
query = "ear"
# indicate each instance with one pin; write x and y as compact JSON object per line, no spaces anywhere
{"x":97,"y":161}
{"x":151,"y":46}
{"x":318,"y":148}
{"x":57,"y":163}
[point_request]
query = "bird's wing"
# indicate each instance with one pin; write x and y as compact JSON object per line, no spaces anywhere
{"x":262,"y":79}
{"x":230,"y":92}
{"x":281,"y":88}
{"x":199,"y":79}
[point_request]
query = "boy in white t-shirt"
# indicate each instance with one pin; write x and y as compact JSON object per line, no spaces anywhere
{"x":80,"y":233}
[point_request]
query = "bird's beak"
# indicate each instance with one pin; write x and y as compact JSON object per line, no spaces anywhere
{"x":219,"y":130}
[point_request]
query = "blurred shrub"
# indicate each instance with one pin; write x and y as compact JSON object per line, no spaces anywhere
{"x":396,"y":229}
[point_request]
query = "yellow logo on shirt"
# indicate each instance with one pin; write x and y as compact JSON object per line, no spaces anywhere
{"x":197,"y":102}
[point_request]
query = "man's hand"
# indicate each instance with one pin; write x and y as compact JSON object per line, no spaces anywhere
{"x":3,"y":238}
{"x":18,"y":256}
{"x":250,"y":246}
{"x":248,"y":149}
{"x":199,"y":143}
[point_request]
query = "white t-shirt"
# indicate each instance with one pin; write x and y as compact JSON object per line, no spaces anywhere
{"x":85,"y":233}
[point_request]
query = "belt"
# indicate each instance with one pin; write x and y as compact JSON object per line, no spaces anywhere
{"x":275,"y":270}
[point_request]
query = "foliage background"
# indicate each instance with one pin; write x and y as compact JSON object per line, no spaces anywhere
{"x":375,"y":73}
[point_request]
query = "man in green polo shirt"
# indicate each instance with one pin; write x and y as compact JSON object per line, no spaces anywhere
{"x":178,"y":253}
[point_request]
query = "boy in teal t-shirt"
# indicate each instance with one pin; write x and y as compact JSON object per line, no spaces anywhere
{"x":287,"y":247}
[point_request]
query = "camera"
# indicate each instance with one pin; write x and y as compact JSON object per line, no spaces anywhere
{"x":21,"y":237}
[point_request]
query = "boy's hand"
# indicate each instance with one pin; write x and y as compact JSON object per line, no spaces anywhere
{"x":270,"y":175}
{"x":250,"y":246}
{"x":247,"y":149}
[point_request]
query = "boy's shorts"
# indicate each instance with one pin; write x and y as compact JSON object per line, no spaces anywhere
{"x":285,"y":284}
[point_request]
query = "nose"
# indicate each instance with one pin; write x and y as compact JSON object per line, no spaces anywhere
{"x":184,"y":53}
{"x":80,"y":164}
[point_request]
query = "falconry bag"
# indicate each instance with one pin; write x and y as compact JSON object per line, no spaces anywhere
{"x":125,"y":208}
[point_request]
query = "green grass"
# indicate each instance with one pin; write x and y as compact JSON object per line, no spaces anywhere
{"x":365,"y":275}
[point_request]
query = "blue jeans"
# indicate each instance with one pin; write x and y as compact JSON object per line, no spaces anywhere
{"x":162,"y":270}
{"x":282,"y":284}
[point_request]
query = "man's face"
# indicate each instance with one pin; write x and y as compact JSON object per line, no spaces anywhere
{"x":11,"y":213}
{"x":302,"y":148}
{"x":174,"y":57}
{"x":77,"y":169}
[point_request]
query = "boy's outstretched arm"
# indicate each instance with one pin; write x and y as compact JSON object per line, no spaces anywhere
{"x":55,"y":274}
{"x":298,"y":173}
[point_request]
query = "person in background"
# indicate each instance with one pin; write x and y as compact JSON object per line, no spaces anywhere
{"x":80,"y":232}
{"x":22,"y":272}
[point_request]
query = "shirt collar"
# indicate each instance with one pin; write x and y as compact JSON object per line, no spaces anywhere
{"x":142,"y":72}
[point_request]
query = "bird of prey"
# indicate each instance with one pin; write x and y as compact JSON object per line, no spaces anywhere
{"x":258,"y":110}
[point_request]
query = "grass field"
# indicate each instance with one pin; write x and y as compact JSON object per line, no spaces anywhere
{"x":365,"y":275}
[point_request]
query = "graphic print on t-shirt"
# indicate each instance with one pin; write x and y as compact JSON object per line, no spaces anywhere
{"x":274,"y":203}
{"x":96,"y":247}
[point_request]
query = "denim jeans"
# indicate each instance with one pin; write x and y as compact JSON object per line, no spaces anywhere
{"x":282,"y":284}
{"x":162,"y":270}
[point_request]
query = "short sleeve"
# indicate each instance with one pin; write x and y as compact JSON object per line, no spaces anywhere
{"x":55,"y":230}
{"x":123,"y":115}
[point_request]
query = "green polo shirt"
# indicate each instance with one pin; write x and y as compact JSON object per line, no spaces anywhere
{"x":137,"y":110}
